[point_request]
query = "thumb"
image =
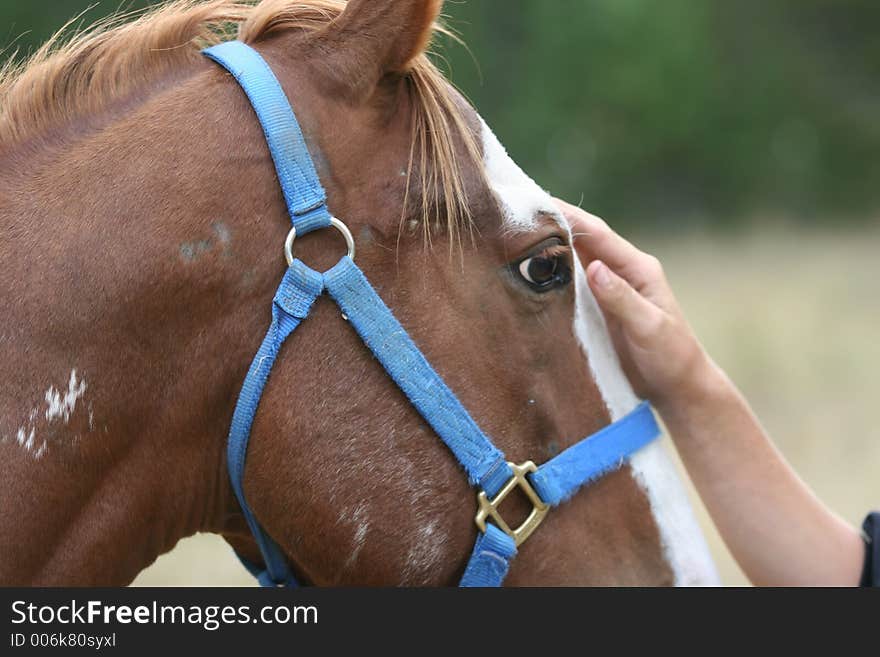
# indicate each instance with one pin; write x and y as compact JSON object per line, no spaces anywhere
{"x":620,"y":300}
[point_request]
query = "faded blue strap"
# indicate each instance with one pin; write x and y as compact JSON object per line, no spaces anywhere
{"x":562,"y":476}
{"x":305,"y":197}
{"x":388,"y":340}
{"x":557,"y":480}
{"x":490,"y":559}
{"x":293,"y":301}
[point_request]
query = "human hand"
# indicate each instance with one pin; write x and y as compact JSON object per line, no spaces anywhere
{"x":660,"y":354}
{"x":777,"y":529}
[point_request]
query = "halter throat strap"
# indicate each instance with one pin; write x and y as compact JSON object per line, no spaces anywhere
{"x":485,"y":465}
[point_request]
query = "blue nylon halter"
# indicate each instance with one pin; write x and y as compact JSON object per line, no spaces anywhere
{"x":485,"y":465}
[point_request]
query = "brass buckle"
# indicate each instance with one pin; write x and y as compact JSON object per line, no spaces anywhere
{"x":489,"y":508}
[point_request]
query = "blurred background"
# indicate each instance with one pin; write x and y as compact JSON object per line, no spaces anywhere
{"x":738,"y":141}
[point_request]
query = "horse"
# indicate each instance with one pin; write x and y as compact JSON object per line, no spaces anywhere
{"x":142,"y":225}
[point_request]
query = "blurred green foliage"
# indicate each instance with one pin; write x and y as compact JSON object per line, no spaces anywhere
{"x":661,"y":114}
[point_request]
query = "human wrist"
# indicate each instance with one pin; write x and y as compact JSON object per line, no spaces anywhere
{"x":704,"y":389}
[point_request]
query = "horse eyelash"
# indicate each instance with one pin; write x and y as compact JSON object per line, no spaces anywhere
{"x":555,"y":251}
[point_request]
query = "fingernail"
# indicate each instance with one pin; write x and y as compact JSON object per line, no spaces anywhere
{"x":601,"y":276}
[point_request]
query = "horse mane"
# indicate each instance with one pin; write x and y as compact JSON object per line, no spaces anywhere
{"x":85,"y":72}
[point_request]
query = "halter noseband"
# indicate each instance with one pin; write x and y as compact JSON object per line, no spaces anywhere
{"x":546,"y":486}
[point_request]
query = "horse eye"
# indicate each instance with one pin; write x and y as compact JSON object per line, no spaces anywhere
{"x":544,"y":272}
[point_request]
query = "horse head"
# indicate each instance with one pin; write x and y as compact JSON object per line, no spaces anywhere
{"x":143,"y":259}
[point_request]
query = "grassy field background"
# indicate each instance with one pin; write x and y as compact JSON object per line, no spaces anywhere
{"x":793,"y":315}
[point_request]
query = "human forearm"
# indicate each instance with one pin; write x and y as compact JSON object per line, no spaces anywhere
{"x":775,"y":527}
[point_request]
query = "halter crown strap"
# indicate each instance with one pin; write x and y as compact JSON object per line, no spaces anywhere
{"x":303,"y":192}
{"x":485,"y":465}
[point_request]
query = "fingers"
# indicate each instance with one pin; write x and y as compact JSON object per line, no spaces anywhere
{"x":637,"y":315}
{"x":595,"y":240}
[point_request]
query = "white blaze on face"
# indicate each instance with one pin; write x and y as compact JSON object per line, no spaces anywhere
{"x":520,"y":197}
{"x":683,"y":542}
{"x":522,"y":200}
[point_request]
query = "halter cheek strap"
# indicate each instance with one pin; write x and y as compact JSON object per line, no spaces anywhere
{"x":485,"y":465}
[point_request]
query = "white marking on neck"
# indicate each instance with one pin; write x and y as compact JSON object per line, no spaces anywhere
{"x":429,"y":549}
{"x":58,"y":406}
{"x":684,"y":546}
{"x":424,"y":554}
{"x":357,"y":518}
{"x":59,"y":409}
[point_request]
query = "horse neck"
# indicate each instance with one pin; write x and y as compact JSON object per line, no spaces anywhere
{"x":133,"y":307}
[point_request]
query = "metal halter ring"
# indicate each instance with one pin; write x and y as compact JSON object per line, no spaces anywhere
{"x":338,"y":225}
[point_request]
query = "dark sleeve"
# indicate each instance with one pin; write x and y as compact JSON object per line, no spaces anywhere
{"x":871,"y":534}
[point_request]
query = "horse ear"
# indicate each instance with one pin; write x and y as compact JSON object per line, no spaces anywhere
{"x":374,"y":39}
